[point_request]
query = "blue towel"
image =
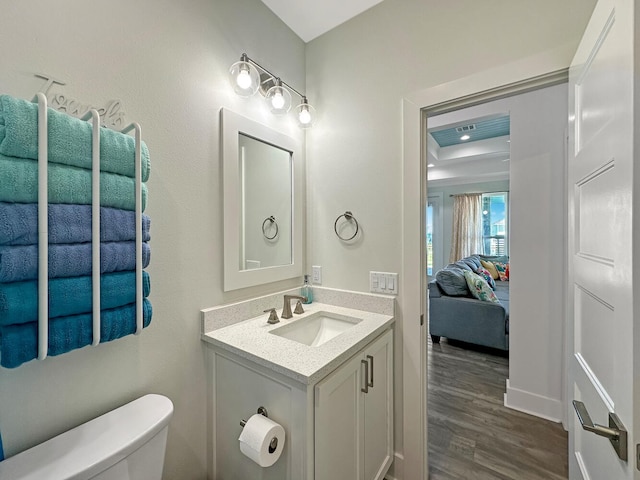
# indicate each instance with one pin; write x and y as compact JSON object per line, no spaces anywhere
{"x":20,"y":262}
{"x":68,"y":296}
{"x":69,"y":139}
{"x":19,"y":184}
{"x":67,"y":224}
{"x":19,"y":343}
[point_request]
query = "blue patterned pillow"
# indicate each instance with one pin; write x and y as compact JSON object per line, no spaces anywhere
{"x":479,"y":287}
{"x":484,"y":273}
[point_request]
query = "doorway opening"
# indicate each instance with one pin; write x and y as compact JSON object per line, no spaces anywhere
{"x":466,"y":174}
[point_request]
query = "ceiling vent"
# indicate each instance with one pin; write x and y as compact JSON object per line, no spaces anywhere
{"x":466,"y":128}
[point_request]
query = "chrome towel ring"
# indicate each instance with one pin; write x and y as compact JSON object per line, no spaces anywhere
{"x":272,"y":221}
{"x":349,"y":218}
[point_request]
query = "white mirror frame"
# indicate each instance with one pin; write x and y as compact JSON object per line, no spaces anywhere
{"x":231,"y":125}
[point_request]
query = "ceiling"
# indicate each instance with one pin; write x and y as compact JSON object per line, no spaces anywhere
{"x":475,"y":130}
{"x":311,"y":18}
{"x":484,"y":156}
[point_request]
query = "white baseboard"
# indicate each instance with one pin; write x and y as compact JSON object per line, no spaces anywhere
{"x":533,"y":404}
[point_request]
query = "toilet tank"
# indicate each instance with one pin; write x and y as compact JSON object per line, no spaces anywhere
{"x":127,"y":443}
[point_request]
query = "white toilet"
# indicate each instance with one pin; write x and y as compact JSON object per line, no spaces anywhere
{"x":127,"y":443}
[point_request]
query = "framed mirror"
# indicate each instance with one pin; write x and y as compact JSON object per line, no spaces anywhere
{"x":262,"y":204}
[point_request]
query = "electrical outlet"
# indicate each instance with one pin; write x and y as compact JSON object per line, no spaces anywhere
{"x":316,"y":274}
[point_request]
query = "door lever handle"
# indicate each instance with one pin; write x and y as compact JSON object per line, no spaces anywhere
{"x":615,"y":432}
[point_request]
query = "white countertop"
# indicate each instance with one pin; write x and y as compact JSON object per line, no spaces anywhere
{"x":251,"y":339}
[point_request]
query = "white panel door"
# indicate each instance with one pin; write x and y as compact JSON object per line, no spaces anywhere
{"x":602,"y":340}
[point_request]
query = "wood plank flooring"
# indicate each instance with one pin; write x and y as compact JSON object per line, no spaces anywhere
{"x":472,"y":435}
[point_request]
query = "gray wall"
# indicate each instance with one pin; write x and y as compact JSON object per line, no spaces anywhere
{"x":168,"y":62}
{"x":358,"y":75}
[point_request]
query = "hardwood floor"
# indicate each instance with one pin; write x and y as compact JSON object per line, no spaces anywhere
{"x":472,"y":435}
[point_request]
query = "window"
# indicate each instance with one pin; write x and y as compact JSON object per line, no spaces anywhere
{"x":435,"y":251}
{"x":495,"y":223}
{"x":430,"y":239}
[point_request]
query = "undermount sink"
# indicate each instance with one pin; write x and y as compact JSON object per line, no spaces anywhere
{"x":317,"y":328}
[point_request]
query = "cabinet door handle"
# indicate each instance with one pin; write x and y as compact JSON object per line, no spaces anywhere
{"x":370,"y":384}
{"x":365,"y":389}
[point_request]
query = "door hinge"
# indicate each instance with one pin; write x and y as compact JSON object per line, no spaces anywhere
{"x":421,"y":319}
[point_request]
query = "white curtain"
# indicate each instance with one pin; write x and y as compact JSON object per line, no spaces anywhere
{"x":466,"y":238}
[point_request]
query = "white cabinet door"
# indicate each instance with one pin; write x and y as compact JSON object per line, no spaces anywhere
{"x":354,"y":419}
{"x":378,"y":409}
{"x":338,"y":423}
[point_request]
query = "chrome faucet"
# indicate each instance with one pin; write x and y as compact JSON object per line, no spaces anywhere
{"x":286,"y":310}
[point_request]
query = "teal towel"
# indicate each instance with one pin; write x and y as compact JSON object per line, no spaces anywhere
{"x":68,"y":296}
{"x":69,"y":139}
{"x":19,"y":343}
{"x":19,"y":184}
{"x":68,"y":223}
{"x":20,"y":262}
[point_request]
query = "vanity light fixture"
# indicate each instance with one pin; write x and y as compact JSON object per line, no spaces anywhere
{"x":247,"y":77}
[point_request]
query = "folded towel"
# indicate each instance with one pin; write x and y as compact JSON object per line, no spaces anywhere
{"x":20,"y":262}
{"x":69,"y":139}
{"x":67,"y":224}
{"x":68,"y":296}
{"x":19,"y":343}
{"x":19,"y":184}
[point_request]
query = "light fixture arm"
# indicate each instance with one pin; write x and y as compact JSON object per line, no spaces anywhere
{"x":245,"y":58}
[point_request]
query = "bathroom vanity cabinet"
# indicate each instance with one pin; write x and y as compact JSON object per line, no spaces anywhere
{"x":354,"y":416}
{"x":338,"y":420}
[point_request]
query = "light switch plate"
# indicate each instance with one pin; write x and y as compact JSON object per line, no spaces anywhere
{"x":383,"y":282}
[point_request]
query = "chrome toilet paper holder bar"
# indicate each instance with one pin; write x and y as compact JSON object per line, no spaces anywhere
{"x":261,"y":410}
{"x":273,"y":444}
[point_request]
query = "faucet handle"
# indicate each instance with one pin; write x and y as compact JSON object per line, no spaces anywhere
{"x":298,"y":310}
{"x":273,"y":316}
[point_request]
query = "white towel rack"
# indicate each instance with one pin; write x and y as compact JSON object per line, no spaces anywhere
{"x":138,"y":177}
{"x":43,"y":226}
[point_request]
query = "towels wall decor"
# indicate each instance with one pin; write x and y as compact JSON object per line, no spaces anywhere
{"x":73,"y":238}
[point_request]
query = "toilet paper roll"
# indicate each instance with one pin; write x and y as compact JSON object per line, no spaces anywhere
{"x":262,"y":440}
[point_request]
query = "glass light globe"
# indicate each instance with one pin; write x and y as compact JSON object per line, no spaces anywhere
{"x":244,"y":78}
{"x":306,"y":114}
{"x":278,"y":98}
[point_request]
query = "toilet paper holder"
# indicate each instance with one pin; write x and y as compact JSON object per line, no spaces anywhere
{"x":261,"y":410}
{"x":274,"y":441}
